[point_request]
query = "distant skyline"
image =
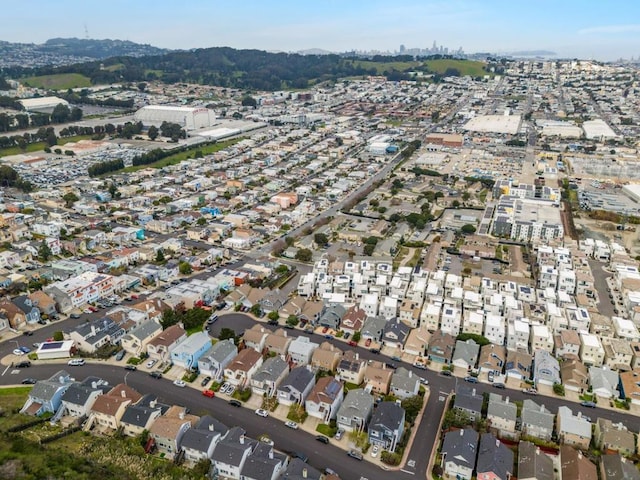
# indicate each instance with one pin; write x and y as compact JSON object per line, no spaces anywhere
{"x":584,"y":29}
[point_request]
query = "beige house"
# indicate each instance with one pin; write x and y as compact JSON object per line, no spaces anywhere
{"x":135,"y":342}
{"x":161,"y":346}
{"x":417,"y":342}
{"x":351,"y":367}
{"x":242,"y":368}
{"x":326,"y":357}
{"x":572,"y":429}
{"x":616,"y":437}
{"x":168,"y":429}
{"x":109,"y":408}
{"x":378,"y":377}
{"x":278,"y":342}
{"x":574,"y":375}
{"x":255,"y":337}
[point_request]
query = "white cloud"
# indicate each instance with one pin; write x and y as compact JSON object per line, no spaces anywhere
{"x":610,"y":29}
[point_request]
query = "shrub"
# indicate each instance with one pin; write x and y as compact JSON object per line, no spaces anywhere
{"x":242,"y":395}
{"x":327,"y":430}
{"x":390,"y":458}
{"x":297,"y":413}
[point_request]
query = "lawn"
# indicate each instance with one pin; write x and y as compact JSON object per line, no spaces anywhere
{"x":465,"y":67}
{"x":327,"y":430}
{"x":40,"y":146}
{"x":178,"y":157}
{"x":58,"y":81}
{"x":381,"y":67}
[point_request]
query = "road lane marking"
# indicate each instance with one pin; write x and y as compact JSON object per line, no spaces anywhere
{"x":407,"y":471}
{"x":5,"y":370}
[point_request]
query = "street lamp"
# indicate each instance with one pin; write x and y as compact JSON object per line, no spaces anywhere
{"x":125,"y":378}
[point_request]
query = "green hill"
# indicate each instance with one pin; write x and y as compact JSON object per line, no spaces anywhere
{"x":58,"y":81}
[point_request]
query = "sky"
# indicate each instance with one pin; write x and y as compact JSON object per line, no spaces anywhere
{"x":586,"y":29}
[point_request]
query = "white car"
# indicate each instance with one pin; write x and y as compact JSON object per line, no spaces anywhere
{"x":375,"y":450}
{"x":151,"y":363}
{"x":18,"y":352}
{"x":179,"y":383}
{"x":76,"y":362}
{"x":262,"y":413}
{"x":225,"y":386}
{"x":291,"y":424}
{"x":230,"y":389}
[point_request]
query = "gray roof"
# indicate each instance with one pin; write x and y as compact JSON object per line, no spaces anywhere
{"x":546,"y":367}
{"x":395,"y":329}
{"x":298,"y":379}
{"x":404,"y":379}
{"x":200,"y":437}
{"x":78,"y":394}
{"x":502,"y":408}
{"x":145,"y":329}
{"x":261,"y":463}
{"x":299,"y":470}
{"x":569,"y":423}
{"x":332,"y":316}
{"x":230,"y":450}
{"x":220,"y":350}
{"x":534,"y":464}
{"x":603,"y":378}
{"x":468,"y":398}
{"x":460,"y":447}
{"x":538,"y":415}
{"x":46,"y":389}
{"x":615,"y":467}
{"x":467,"y":351}
{"x":494,"y":456}
{"x":270,"y":370}
{"x":151,"y":401}
{"x":357,"y":403}
{"x":387,"y":415}
{"x":138,"y":415}
{"x":374,"y":327}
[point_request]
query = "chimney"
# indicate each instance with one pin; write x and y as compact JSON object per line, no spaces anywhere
{"x":473,"y":392}
{"x":242,"y":439}
{"x":271,"y":454}
{"x":93,"y":330}
{"x":152,"y":404}
{"x":304,"y":473}
{"x":506,"y":400}
{"x":181,"y":414}
{"x":541,"y":408}
{"x":211,"y":428}
{"x":123,"y":394}
{"x":462,"y":432}
{"x":94,"y":385}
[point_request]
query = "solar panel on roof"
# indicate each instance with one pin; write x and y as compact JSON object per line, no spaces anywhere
{"x":51,"y":345}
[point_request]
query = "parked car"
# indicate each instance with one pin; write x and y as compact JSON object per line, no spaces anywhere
{"x":120,"y":355}
{"x":262,"y":413}
{"x":367,"y":342}
{"x":235,"y":403}
{"x":29,"y":381}
{"x":25,"y":349}
{"x":151,"y":363}
{"x":445,"y":373}
{"x":76,"y":362}
{"x":230,"y":390}
{"x":322,"y":439}
{"x":355,"y":454}
{"x":179,"y":383}
{"x":501,"y":386}
{"x":291,"y":424}
{"x":352,"y":343}
{"x":374,"y":350}
{"x":265,"y":439}
{"x":424,"y":381}
{"x":471,"y":379}
{"x":530,"y":391}
{"x":300,"y":455}
{"x":205,"y":381}
{"x":155,"y":374}
{"x":588,"y":404}
{"x":130,"y":367}
{"x":209,"y":393}
{"x":75,"y":315}
{"x":339,"y":434}
{"x":375,"y":450}
{"x":28,"y":333}
{"x":24,"y":364}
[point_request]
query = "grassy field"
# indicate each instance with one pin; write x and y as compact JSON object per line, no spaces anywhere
{"x":465,"y":67}
{"x":39,"y":146}
{"x":386,"y":66}
{"x":58,"y":81}
{"x":178,"y":157}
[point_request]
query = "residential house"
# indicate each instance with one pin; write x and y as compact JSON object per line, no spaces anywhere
{"x":255,"y":337}
{"x":618,"y":353}
{"x":332,"y":317}
{"x":278,"y":342}
{"x":267,"y":378}
{"x":264,"y":464}
{"x":301,"y":350}
{"x":161,"y":346}
{"x":108,"y":409}
{"x":17,"y":318}
{"x":502,"y":415}
{"x":572,"y":429}
{"x":46,"y":395}
{"x":533,"y":464}
{"x":591,"y":351}
{"x":373,"y":329}
{"x":351,"y":367}
{"x":604,"y":382}
{"x":355,"y":411}
{"x":546,"y":369}
{"x":295,"y":388}
{"x":465,"y":355}
{"x":518,"y":365}
{"x":459,"y":450}
{"x":386,"y":425}
{"x":78,"y":399}
{"x":575,"y":466}
{"x":492,"y":359}
{"x":232,"y":452}
{"x":614,"y":437}
{"x":536,"y":421}
{"x":326,"y":357}
{"x":377,"y":376}
{"x":325,"y":399}
{"x":574,"y":375}
{"x":215,"y":360}
{"x":441,"y":347}
{"x":273,"y":300}
{"x":299,"y":470}
{"x":630,"y":387}
{"x":169,"y":429}
{"x":140,"y":416}
{"x":26,"y":305}
{"x":567,"y":344}
{"x":468,"y":400}
{"x":199,"y":441}
{"x":44,"y":302}
{"x":353,"y":320}
{"x":135,"y":342}
{"x":417,"y":342}
{"x":187,"y":353}
{"x":617,"y":467}
{"x":404,"y":383}
{"x":245,"y":364}
{"x":495,"y":460}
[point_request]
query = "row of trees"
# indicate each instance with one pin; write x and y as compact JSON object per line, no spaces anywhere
{"x":105,"y":167}
{"x":10,"y":178}
{"x":20,"y":121}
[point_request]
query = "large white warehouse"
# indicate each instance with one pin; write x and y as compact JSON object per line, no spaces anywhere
{"x":189,"y":118}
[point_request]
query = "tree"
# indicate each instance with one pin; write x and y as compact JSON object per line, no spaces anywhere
{"x":227,"y":333}
{"x":249,"y":101}
{"x":273,"y":315}
{"x":320,"y":239}
{"x":160,"y":257}
{"x":58,"y":336}
{"x":558,"y":389}
{"x":185,"y":268}
{"x":75,"y":115}
{"x":356,"y":337}
{"x":304,"y":255}
{"x":69,"y":199}
{"x":412,"y":406}
{"x":292,"y":320}
{"x":468,"y":229}
{"x":60,"y":113}
{"x":256,"y":309}
{"x":152,"y":133}
{"x":201,"y":221}
{"x":44,"y":252}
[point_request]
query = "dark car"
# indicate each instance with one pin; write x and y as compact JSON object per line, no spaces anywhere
{"x":501,"y":386}
{"x":29,"y":381}
{"x":205,"y":380}
{"x":392,"y":366}
{"x":130,"y":367}
{"x":374,"y":350}
{"x":24,"y":364}
{"x":445,"y":373}
{"x":74,"y":315}
{"x":28,"y":333}
{"x":120,"y":355}
{"x":156,"y":374}
{"x":588,"y":404}
{"x":300,"y":455}
{"x":355,"y":454}
{"x":322,"y":438}
{"x":235,"y":403}
{"x":471,"y":379}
